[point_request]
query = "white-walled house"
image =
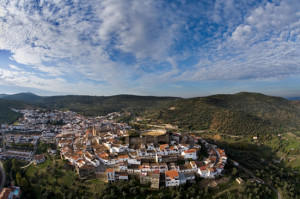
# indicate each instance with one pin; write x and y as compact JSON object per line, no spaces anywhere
{"x":172,"y":178}
{"x":110,"y":174}
{"x":190,"y":154}
{"x":203,"y":172}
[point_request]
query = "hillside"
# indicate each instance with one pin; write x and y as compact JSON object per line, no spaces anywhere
{"x":94,"y":105}
{"x":6,"y":114}
{"x":242,"y":113}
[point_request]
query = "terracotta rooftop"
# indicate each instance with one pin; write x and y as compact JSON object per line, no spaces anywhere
{"x":163,"y":146}
{"x":110,"y":170}
{"x":172,"y":174}
{"x":190,"y":151}
{"x":123,"y":156}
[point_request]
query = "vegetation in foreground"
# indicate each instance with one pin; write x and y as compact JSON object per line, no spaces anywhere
{"x":56,"y":179}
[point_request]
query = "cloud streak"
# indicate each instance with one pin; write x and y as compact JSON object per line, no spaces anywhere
{"x":121,"y":46}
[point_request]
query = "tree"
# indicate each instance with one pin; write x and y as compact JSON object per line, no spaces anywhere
{"x":14,"y":165}
{"x":206,"y":190}
{"x":149,"y":197}
{"x":161,"y":195}
{"x":24,"y":184}
{"x":124,"y":194}
{"x":234,"y":171}
{"x":18,"y":179}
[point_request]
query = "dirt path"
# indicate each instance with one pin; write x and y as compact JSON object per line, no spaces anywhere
{"x":26,"y":165}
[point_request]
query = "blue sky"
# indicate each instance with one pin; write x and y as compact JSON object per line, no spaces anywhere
{"x":152,"y":47}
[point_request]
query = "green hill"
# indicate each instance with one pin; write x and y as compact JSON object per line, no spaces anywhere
{"x":6,"y":114}
{"x":93,"y":105}
{"x":242,"y":113}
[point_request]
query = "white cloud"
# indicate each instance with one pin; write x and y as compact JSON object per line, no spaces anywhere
{"x":241,"y":33}
{"x":14,"y":67}
{"x":66,"y":42}
{"x":55,"y":85}
{"x":264,"y":45}
{"x":57,"y":38}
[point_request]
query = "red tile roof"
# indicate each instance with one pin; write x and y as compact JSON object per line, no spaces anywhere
{"x":190,"y":151}
{"x":172,"y":174}
{"x":110,"y":170}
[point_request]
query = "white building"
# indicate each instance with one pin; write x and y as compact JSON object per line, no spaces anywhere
{"x":190,"y":154}
{"x":110,"y":173}
{"x":172,"y":178}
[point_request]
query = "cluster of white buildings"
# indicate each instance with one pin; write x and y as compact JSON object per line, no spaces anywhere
{"x":215,"y":163}
{"x":105,"y":147}
{"x":35,"y":125}
{"x":35,"y":121}
{"x":101,"y":145}
{"x":19,"y":146}
{"x":11,"y":139}
{"x":17,"y":154}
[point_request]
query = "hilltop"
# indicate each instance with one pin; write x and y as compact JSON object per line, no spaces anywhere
{"x":24,"y":97}
{"x":241,"y":113}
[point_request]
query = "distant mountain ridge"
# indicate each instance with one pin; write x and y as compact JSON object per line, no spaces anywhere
{"x":2,"y":95}
{"x":24,"y":97}
{"x":294,"y":98}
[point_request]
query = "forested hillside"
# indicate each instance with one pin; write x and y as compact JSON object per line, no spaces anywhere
{"x":94,"y":105}
{"x":242,"y":113}
{"x":6,"y":114}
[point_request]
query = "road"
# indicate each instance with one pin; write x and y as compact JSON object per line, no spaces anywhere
{"x":259,"y":180}
{"x":26,"y":165}
{"x":2,"y":176}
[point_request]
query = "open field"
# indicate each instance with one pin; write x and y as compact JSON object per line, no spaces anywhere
{"x":153,"y":133}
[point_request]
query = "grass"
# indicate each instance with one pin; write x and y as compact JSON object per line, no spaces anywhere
{"x":153,"y":133}
{"x":38,"y":168}
{"x":294,"y":163}
{"x":291,"y":141}
{"x":59,"y":179}
{"x":68,"y":178}
{"x":30,"y":170}
{"x":45,"y":164}
{"x":95,"y":182}
{"x":279,"y":146}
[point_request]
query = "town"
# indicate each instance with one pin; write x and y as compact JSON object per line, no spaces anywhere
{"x":113,"y":151}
